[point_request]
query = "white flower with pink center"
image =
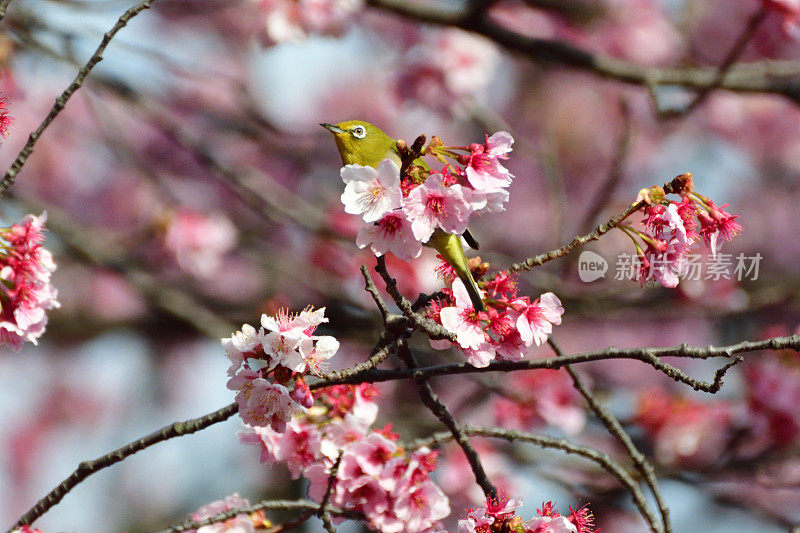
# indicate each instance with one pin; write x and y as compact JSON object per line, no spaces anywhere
{"x":463,"y":319}
{"x":371,"y":192}
{"x":432,"y":204}
{"x":535,"y":320}
{"x":484,"y":171}
{"x":240,"y":523}
{"x":392,"y":233}
{"x":313,"y":352}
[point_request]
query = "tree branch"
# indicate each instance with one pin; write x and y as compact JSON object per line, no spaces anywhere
{"x":61,"y":101}
{"x":87,"y":468}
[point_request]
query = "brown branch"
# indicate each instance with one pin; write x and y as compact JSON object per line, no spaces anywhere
{"x":615,"y":428}
{"x":650,"y":356}
{"x":87,"y":468}
{"x":62,"y":100}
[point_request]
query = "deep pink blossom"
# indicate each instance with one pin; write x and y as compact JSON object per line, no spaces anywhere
{"x":26,"y":292}
{"x":535,"y":320}
{"x":484,"y":171}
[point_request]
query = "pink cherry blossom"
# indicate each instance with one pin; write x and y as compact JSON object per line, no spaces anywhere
{"x":298,"y":446}
{"x":463,"y":320}
{"x":261,"y":402}
{"x":295,"y":20}
{"x":665,"y":258}
{"x":392,"y":233}
{"x":240,"y":523}
{"x":433,"y":205}
{"x":535,"y":320}
{"x":199,"y":241}
{"x":371,"y":192}
{"x":484,"y":171}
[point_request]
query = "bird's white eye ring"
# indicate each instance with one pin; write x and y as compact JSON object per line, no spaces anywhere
{"x":359,"y":132}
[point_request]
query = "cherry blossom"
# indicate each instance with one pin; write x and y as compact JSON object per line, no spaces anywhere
{"x":463,"y":320}
{"x":294,"y":20}
{"x":433,"y":205}
{"x":392,"y":233}
{"x":535,"y":320}
{"x":484,"y":170}
{"x":199,"y":241}
{"x":371,"y":192}
{"x":241,"y":523}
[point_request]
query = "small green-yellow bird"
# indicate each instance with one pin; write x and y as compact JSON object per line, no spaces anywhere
{"x":361,"y":143}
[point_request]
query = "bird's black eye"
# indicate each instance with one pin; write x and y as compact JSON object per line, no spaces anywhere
{"x":359,"y":132}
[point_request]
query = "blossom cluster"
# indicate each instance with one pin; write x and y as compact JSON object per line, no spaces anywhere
{"x":267,"y":361}
{"x":506,"y":330}
{"x":672,"y":228}
{"x":294,"y":20}
{"x":500,"y":515}
{"x":402,"y":212}
{"x":375,"y":475}
{"x":25,"y":292}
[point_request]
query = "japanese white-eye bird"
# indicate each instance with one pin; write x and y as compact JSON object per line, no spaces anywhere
{"x":361,"y":143}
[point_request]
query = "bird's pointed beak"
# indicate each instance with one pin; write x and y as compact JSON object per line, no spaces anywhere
{"x":332,"y":127}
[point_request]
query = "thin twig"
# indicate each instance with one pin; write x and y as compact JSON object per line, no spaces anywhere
{"x":670,"y":187}
{"x":87,"y":468}
{"x":432,"y":402}
{"x":324,"y":513}
{"x":614,"y":175}
{"x":370,"y":287}
{"x":615,"y":428}
{"x":62,"y":100}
